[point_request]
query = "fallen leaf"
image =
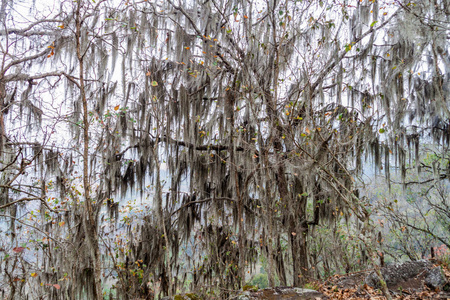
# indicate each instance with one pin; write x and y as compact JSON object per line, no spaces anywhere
{"x":18,"y":249}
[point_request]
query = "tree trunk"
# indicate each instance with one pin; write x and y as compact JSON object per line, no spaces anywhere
{"x":230,"y":98}
{"x":161,"y":218}
{"x":280,"y":264}
{"x":2,"y":121}
{"x":266,"y":238}
{"x":269,"y":214}
{"x":89,"y":217}
{"x":299,"y":251}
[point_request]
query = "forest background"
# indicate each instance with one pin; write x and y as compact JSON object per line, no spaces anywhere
{"x":169,"y":146}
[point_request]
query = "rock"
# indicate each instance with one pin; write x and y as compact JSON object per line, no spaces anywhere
{"x":409,"y":276}
{"x":308,"y":293}
{"x":244,"y":296}
{"x":435,"y":279}
{"x":187,"y":296}
{"x":398,"y":273}
{"x":288,"y":293}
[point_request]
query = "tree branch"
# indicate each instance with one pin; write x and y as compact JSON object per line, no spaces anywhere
{"x":201,"y":201}
{"x":34,"y":227}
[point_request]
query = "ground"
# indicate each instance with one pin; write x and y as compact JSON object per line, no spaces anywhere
{"x":405,"y":281}
{"x":353,"y":286}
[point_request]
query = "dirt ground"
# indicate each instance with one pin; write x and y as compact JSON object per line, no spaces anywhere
{"x":353,"y":286}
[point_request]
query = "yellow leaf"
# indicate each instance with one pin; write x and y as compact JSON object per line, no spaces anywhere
{"x":154,"y":83}
{"x":117,"y":107}
{"x":33,"y":274}
{"x":61,"y":224}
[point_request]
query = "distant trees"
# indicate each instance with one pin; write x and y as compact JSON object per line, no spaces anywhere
{"x":418,"y":217}
{"x":244,"y":129}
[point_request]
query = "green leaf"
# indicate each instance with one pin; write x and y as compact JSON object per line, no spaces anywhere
{"x":154,"y":83}
{"x":382,"y":130}
{"x":373,"y":23}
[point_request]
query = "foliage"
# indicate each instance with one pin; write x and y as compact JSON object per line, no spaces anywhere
{"x":415,"y":219}
{"x":155,"y":144}
{"x":260,"y":280}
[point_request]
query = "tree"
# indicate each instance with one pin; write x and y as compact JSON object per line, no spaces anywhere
{"x":54,"y":33}
{"x":245,"y":124}
{"x":419,"y":215}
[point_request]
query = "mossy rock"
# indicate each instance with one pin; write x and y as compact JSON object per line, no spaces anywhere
{"x":187,"y":296}
{"x":192,"y":296}
{"x":251,"y":288}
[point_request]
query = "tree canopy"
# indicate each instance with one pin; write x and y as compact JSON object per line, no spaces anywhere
{"x":174,"y":145}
